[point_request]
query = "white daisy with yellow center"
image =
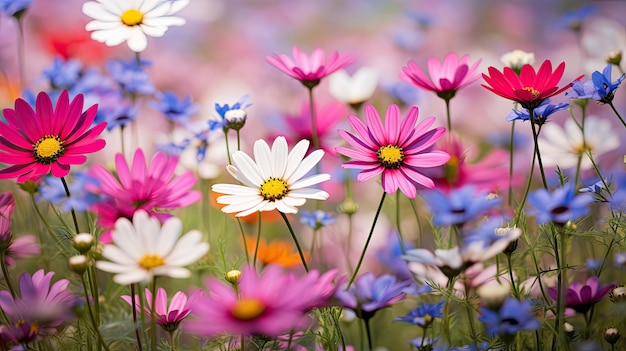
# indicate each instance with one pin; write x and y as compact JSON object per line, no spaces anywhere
{"x":274,"y":180}
{"x":130,"y":21}
{"x":143,"y":249}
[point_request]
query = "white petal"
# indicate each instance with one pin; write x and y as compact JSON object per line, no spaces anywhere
{"x":312,"y":180}
{"x":306,"y":165}
{"x":170,"y":232}
{"x":309,"y":193}
{"x":263,"y":158}
{"x":126,"y":256}
{"x":280,"y":153}
{"x":234,"y":189}
{"x":153,"y":31}
{"x":137,"y":40}
{"x":174,"y":272}
{"x":100,"y":25}
{"x":250,"y":207}
{"x":98,"y":12}
{"x":133,"y":276}
{"x":295,"y":157}
{"x":246,"y":165}
{"x":112,"y":267}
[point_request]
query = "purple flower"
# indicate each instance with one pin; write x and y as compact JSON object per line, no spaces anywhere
{"x":599,"y":87}
{"x":512,"y":317}
{"x":459,"y":206}
{"x":167,"y":317}
{"x":573,"y":19}
{"x":7,"y":205}
{"x":541,"y":113}
{"x":369,"y":294}
{"x":561,"y":206}
{"x":40,"y":308}
{"x":24,"y":246}
{"x":316,"y":219}
{"x":582,"y":297}
{"x":223,"y":109}
{"x":63,"y":74}
{"x":83,"y":192}
{"x":175,"y":110}
{"x":390,"y":256}
{"x":131,"y":76}
{"x":423,"y":315}
{"x":15,"y":8}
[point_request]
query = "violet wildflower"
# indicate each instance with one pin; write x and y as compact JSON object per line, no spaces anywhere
{"x":580,"y":297}
{"x":222,"y":110}
{"x":63,"y":74}
{"x":423,"y":315}
{"x":559,"y":207}
{"x":131,"y":76}
{"x":573,"y":19}
{"x":459,"y":206}
{"x":15,"y":8}
{"x":175,"y":110}
{"x":316,"y":219}
{"x":513,"y":316}
{"x":7,"y":206}
{"x":599,"y":87}
{"x":370,"y":293}
{"x":390,"y":256}
{"x":541,"y":113}
{"x":83,"y":190}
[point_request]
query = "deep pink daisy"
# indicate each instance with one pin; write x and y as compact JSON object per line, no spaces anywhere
{"x":445,"y":77}
{"x":37,"y":142}
{"x":310,"y":69}
{"x":141,"y":187}
{"x":398,"y":150}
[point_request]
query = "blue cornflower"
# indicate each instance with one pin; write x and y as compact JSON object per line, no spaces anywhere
{"x":369,"y":294}
{"x":423,"y":315}
{"x":63,"y":74}
{"x":403,"y":93}
{"x":512,"y":317}
{"x":223,"y":109}
{"x":599,"y":87}
{"x":561,"y":206}
{"x":15,"y":8}
{"x":83,"y":192}
{"x":131,"y":76}
{"x":459,"y":206}
{"x":316,"y":219}
{"x":390,"y":256}
{"x":177,"y":111}
{"x":493,"y":236}
{"x":118,"y":115}
{"x":423,"y":343}
{"x":593,"y":264}
{"x":574,"y":19}
{"x":541,"y":113}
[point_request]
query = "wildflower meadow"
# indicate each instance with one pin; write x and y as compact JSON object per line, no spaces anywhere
{"x":329,"y":175}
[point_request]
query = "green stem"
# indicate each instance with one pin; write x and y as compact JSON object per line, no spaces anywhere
{"x":172,"y":341}
{"x":400,"y":237}
{"x":295,"y":240}
{"x":67,"y":192}
{"x":20,"y":52}
{"x":91,"y":316}
{"x":238,"y":140}
{"x":561,"y":262}
{"x":470,"y":315}
{"x":367,"y":242}
{"x":258,"y":239}
{"x":135,"y":323}
{"x":122,"y":141}
{"x":245,"y":241}
{"x":513,"y":285}
{"x":153,"y":330}
{"x":314,"y":136}
{"x":531,"y":113}
{"x":368,"y":332}
{"x":617,"y":113}
{"x":227,"y":146}
{"x":448,"y":115}
{"x":520,"y":207}
{"x":511,"y":151}
{"x":313,"y":244}
{"x":5,"y":273}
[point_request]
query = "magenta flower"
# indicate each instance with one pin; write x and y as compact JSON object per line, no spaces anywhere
{"x":48,"y":139}
{"x":168,"y":317}
{"x":271,"y":303}
{"x":582,"y":297}
{"x":445,"y":77}
{"x":151,"y":188}
{"x":309,"y":70}
{"x":41,"y":306}
{"x":7,"y":205}
{"x":24,"y":246}
{"x":399,"y":149}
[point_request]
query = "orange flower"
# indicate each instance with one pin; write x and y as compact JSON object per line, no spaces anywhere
{"x":279,"y":252}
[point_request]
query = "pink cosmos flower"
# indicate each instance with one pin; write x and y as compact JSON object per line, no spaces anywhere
{"x":141,"y":187}
{"x":24,"y":246}
{"x":399,"y":149}
{"x":310,"y":69}
{"x":37,"y":142}
{"x":271,"y":303}
{"x":445,"y":77}
{"x":327,"y":117}
{"x":7,"y":205}
{"x":582,"y":297}
{"x":168,"y":317}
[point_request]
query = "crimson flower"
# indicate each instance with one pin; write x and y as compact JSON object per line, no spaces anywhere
{"x":37,"y":142}
{"x":529,"y":88}
{"x":445,"y":77}
{"x":399,"y":150}
{"x":310,"y":69}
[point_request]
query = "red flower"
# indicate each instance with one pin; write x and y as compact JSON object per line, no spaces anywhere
{"x":530,"y":88}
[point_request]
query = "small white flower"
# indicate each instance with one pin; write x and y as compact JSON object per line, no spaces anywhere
{"x":143,"y":249}
{"x":562,"y":146}
{"x":272,"y":180}
{"x":116,"y":21}
{"x":517,"y":58}
{"x":356,"y":89}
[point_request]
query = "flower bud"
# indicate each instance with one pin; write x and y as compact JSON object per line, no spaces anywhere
{"x":517,"y":58}
{"x":233,"y":276}
{"x":611,"y":335}
{"x":492,"y":296}
{"x":615,"y":58}
{"x":29,"y":186}
{"x":236,"y":119}
{"x":79,"y":263}
{"x":83,"y":242}
{"x":349,"y":206}
{"x":618,"y":294}
{"x":569,"y":330}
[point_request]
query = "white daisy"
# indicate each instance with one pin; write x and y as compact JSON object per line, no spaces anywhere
{"x":116,"y":21}
{"x":356,"y":89}
{"x":561,"y":146}
{"x":143,"y":249}
{"x":272,"y":180}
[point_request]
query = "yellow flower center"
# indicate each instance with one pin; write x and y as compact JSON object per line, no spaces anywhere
{"x":151,"y":261}
{"x":48,"y":149}
{"x":581,"y":149}
{"x":533,"y":91}
{"x":451,"y":169}
{"x":132,"y":17}
{"x":390,"y":156}
{"x":248,"y":309}
{"x":274,"y":189}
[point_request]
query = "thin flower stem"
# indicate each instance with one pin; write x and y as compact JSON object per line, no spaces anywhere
{"x":67,"y":192}
{"x":295,"y":240}
{"x":227,"y":146}
{"x":419,"y":223}
{"x":258,"y":239}
{"x":349,"y":240}
{"x":172,"y":341}
{"x":520,"y":207}
{"x":238,"y":140}
{"x":400,"y":237}
{"x":243,"y":343}
{"x":368,"y":331}
{"x":91,"y":279}
{"x":367,"y":242}
{"x":122,"y":141}
{"x":470,"y":315}
{"x":531,"y":113}
{"x":135,"y":324}
{"x":617,"y":113}
{"x":448,"y":115}
{"x":511,"y":150}
{"x":314,"y":137}
{"x":513,"y":286}
{"x":5,"y":273}
{"x":91,"y":316}
{"x":561,"y":262}
{"x":153,"y":331}
{"x":20,"y":51}
{"x":313,"y":244}
{"x":582,"y":131}
{"x":245,"y":241}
